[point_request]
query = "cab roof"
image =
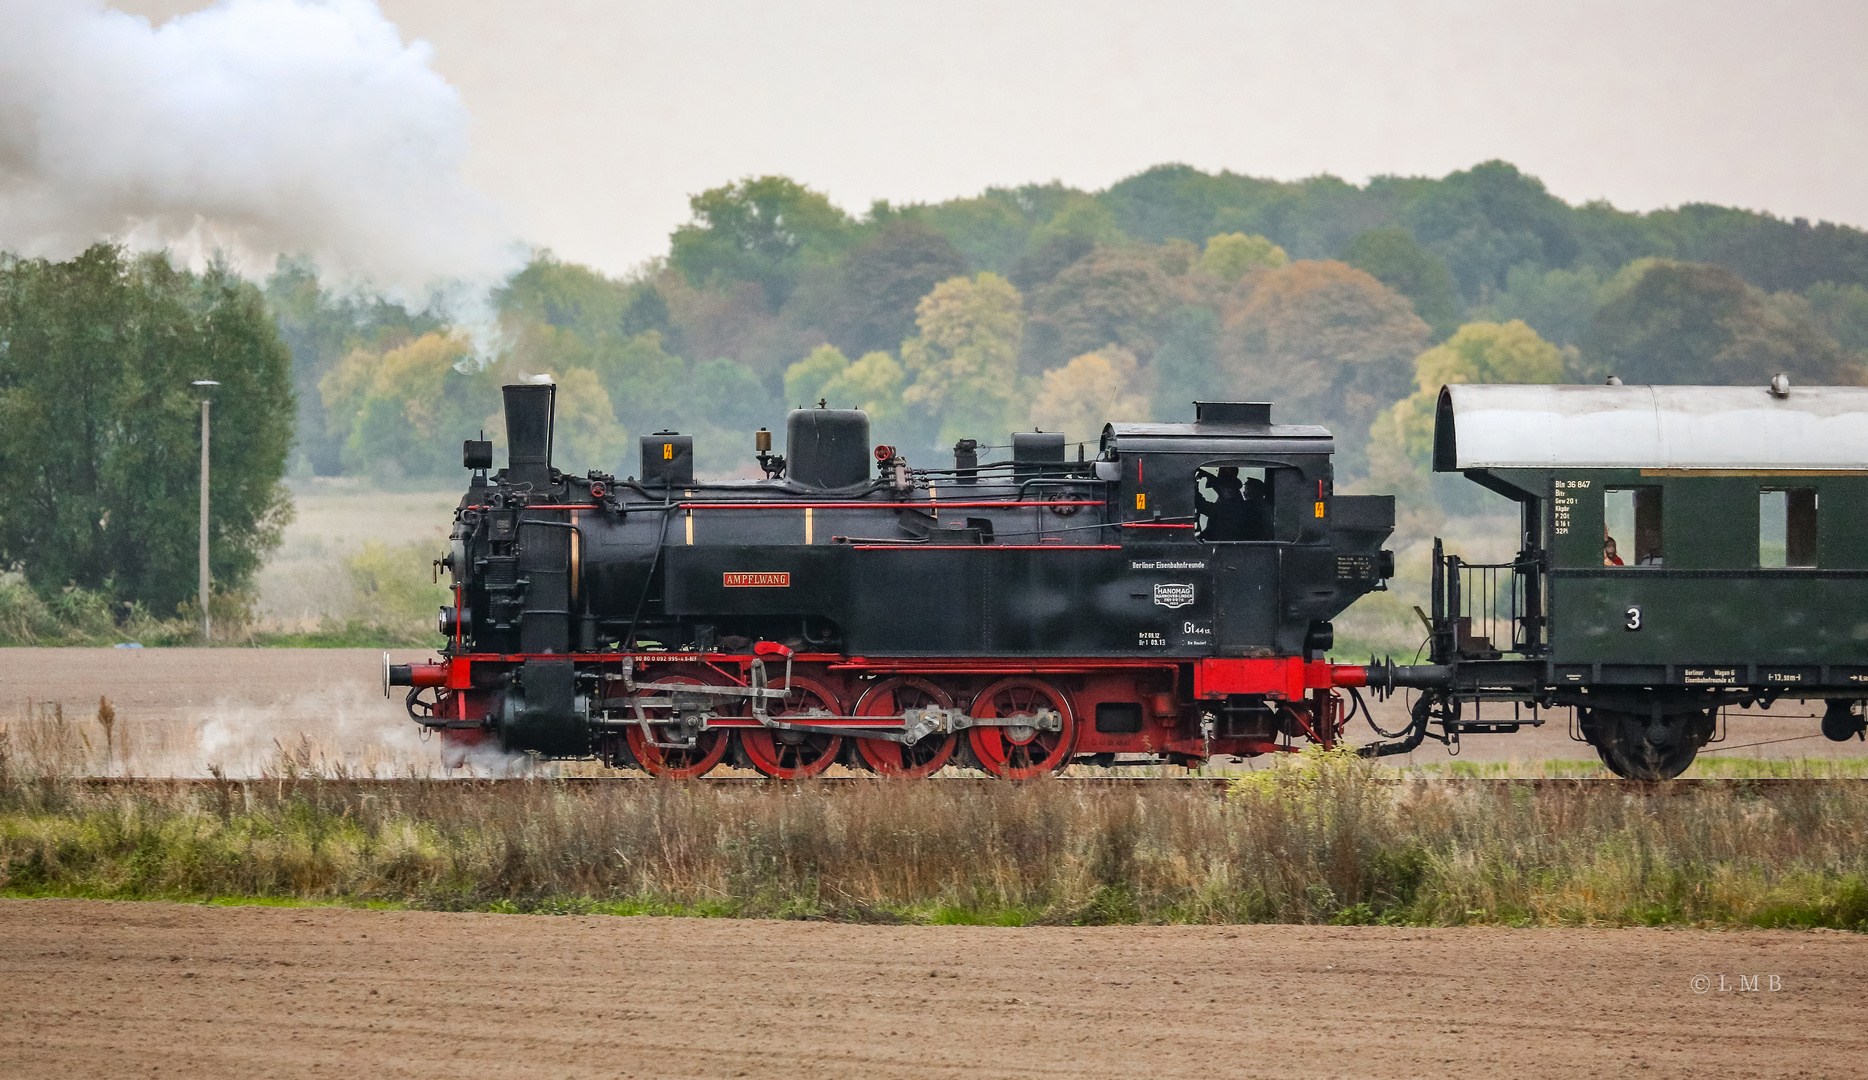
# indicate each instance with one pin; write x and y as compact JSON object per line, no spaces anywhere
{"x":1217,"y":439}
{"x":1220,"y":427}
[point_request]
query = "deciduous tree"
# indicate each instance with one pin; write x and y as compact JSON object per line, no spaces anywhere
{"x":1695,"y":323}
{"x":878,"y":288}
{"x":1480,"y":352}
{"x":806,"y":379}
{"x":1230,"y":256}
{"x":100,"y":427}
{"x":1398,"y":261}
{"x":1088,"y":392}
{"x":1186,"y":365}
{"x":965,"y":359}
{"x":404,"y":411}
{"x":1327,"y":342}
{"x":762,"y":230}
{"x":1113,"y":295}
{"x":873,"y":384}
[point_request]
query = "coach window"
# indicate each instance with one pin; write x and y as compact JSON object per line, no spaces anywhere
{"x":1787,"y":527}
{"x":1631,"y":533}
{"x":1235,"y":502}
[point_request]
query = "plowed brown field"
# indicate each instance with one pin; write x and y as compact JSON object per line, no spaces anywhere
{"x":102,"y":989}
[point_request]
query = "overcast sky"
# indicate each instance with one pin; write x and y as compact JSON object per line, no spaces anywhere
{"x":594,"y":120}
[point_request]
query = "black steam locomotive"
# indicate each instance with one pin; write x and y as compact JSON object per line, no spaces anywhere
{"x":1163,"y":599}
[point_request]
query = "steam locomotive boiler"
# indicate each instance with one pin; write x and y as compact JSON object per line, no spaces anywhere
{"x":1164,"y":598}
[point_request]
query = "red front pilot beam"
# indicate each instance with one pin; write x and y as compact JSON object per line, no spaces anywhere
{"x":1290,"y":678}
{"x":413,"y":675}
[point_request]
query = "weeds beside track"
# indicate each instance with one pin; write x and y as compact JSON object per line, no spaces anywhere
{"x":1325,"y":838}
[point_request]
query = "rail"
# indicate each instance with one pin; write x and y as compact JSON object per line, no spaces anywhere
{"x":415,"y":786}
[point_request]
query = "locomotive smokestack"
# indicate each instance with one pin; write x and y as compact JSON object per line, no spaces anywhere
{"x":528,"y":433}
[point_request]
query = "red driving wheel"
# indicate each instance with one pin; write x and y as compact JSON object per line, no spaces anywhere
{"x":674,"y":762}
{"x":890,"y":698}
{"x":1020,"y":753}
{"x":794,"y":755}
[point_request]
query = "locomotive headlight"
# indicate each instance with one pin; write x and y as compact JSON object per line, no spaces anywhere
{"x":453,"y":619}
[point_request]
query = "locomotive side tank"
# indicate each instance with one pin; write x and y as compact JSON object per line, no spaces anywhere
{"x":1165,"y":596}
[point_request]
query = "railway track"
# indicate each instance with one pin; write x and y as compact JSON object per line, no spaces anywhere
{"x":398,"y":785}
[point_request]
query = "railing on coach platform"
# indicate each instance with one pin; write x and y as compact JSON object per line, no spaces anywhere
{"x":1474,"y":604}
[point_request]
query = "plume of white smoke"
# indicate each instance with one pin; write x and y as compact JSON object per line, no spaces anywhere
{"x":252,"y":128}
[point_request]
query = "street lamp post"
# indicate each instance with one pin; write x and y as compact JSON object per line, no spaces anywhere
{"x":206,"y":625}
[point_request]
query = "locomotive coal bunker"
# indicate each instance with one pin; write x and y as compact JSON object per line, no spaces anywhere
{"x":1166,"y":597}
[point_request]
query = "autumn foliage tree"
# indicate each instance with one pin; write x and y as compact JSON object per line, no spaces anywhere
{"x":1328,"y":343}
{"x":1088,"y":392}
{"x":964,"y":361}
{"x":404,"y":411}
{"x":1695,"y":323}
{"x":1114,"y":295}
{"x":1187,"y":272}
{"x":1480,"y":352}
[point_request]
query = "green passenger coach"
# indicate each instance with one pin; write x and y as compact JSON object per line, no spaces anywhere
{"x":1684,"y":548}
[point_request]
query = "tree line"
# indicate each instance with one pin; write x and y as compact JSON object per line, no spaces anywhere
{"x":1053,"y":307}
{"x":1036,"y":306}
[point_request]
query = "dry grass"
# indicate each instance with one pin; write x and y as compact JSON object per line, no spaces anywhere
{"x":1327,"y":838}
{"x":309,"y":584}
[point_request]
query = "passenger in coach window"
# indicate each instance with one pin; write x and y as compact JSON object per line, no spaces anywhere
{"x":1609,"y":558}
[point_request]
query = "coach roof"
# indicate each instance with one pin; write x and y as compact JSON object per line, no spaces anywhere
{"x":1651,"y":427}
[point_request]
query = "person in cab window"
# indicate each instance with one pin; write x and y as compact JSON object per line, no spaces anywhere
{"x":1257,"y":510}
{"x":1609,"y":558}
{"x":1225,"y":515}
{"x":1240,"y":509}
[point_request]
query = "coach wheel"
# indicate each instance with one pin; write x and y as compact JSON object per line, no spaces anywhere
{"x":794,"y":755}
{"x":1018,"y":752}
{"x":1636,"y":746}
{"x":674,"y":762}
{"x":892,"y":697}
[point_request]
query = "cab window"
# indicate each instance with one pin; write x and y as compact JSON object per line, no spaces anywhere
{"x":1237,"y":503}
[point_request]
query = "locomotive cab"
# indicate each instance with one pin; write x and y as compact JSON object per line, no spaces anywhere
{"x":1251,"y":507}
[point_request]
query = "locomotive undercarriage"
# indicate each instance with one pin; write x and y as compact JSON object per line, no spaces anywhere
{"x":793,"y":715}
